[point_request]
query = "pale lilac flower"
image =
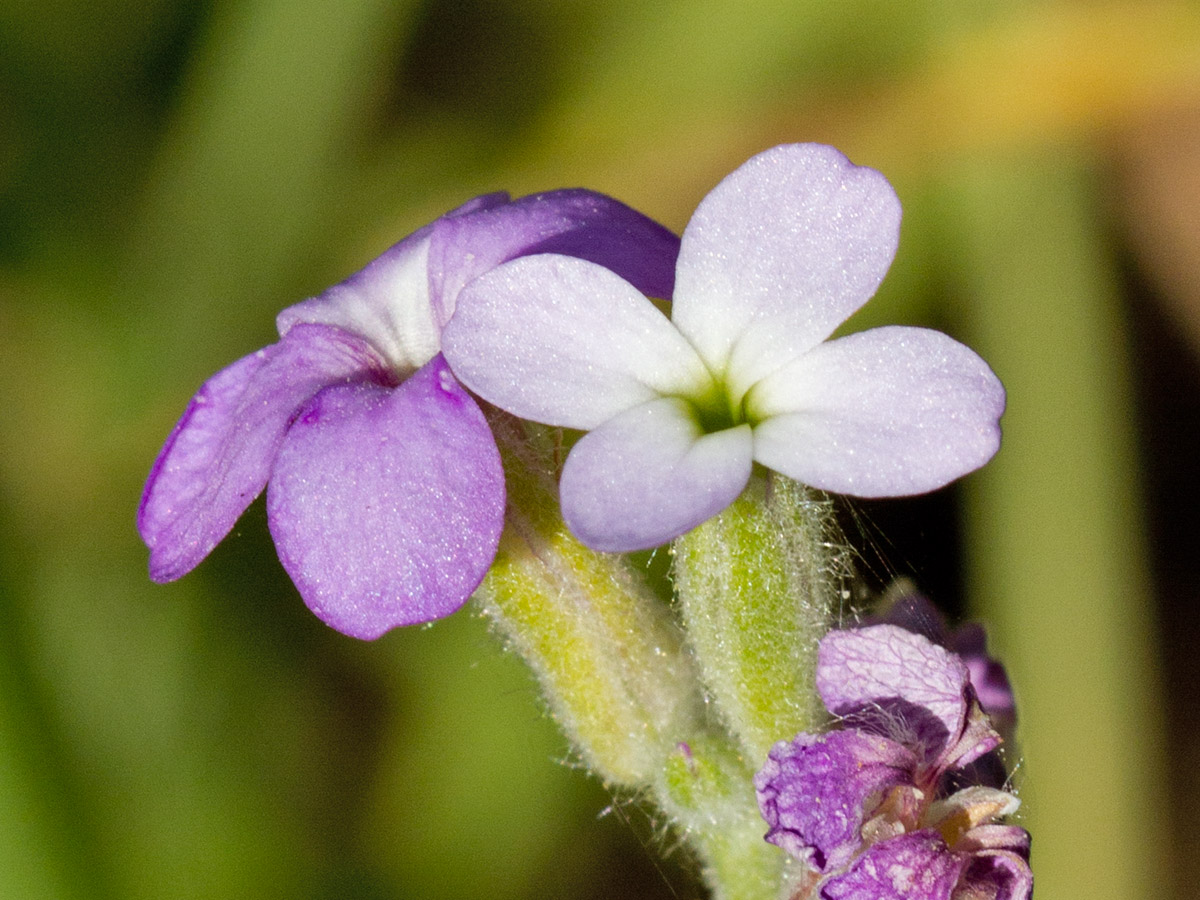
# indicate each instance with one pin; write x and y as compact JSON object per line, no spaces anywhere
{"x":678,"y":411}
{"x":864,"y":807}
{"x":386,"y":495}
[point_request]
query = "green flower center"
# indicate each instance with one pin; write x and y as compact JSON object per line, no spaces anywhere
{"x":717,"y":408}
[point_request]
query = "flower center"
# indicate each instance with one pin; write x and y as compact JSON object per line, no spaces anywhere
{"x":716,"y":409}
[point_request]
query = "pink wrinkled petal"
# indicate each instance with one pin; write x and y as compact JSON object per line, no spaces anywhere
{"x":815,"y":792}
{"x":914,"y":866}
{"x":897,"y":682}
{"x":386,"y":504}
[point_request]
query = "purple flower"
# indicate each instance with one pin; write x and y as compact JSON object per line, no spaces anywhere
{"x":678,"y":411}
{"x":913,"y":611}
{"x":864,"y":807}
{"x":386,"y":494}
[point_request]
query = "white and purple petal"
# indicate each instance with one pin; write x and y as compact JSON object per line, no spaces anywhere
{"x":566,"y":342}
{"x":781,"y":252}
{"x":386,"y":302}
{"x":219,"y":456}
{"x":572,"y":222}
{"x":886,"y":412}
{"x":815,"y":792}
{"x":389,"y":300}
{"x":386,"y":505}
{"x":650,"y":474}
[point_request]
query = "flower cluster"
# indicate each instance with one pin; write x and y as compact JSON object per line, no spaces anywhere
{"x":386,"y":498}
{"x":869,"y":809}
{"x":385,"y":492}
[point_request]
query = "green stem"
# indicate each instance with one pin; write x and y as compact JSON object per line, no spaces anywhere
{"x":608,"y":655}
{"x":708,"y":790}
{"x":758,"y":585}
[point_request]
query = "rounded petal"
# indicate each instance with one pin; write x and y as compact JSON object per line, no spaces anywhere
{"x":386,"y":504}
{"x":574,"y":222}
{"x":781,"y":252}
{"x":816,"y":791}
{"x":566,"y":342}
{"x":649,"y":475}
{"x":897,"y":683}
{"x":388,"y":302}
{"x":882,"y":413}
{"x":910,"y":866}
{"x":219,"y":456}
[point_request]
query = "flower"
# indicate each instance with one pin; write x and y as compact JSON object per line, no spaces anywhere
{"x":866,"y":807}
{"x":678,"y":411}
{"x":903,"y":605}
{"x":386,"y":494}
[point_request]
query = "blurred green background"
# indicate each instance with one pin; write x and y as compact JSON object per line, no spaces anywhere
{"x":174,"y":173}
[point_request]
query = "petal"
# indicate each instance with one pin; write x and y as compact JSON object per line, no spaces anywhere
{"x":881,"y":413}
{"x":649,"y":475}
{"x":815,"y":792}
{"x":896,"y":683}
{"x":915,"y":866}
{"x":782,"y":251}
{"x":978,"y":737}
{"x":220,"y":454}
{"x":388,"y":301}
{"x":566,"y":342}
{"x":386,"y":504}
{"x":576,"y":223}
{"x":1006,"y":838}
{"x":912,"y":611}
{"x":997,"y":875}
{"x":988,"y":676}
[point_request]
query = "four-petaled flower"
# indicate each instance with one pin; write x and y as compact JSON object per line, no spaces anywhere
{"x":678,"y":411}
{"x":386,"y":495}
{"x":867,"y":808}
